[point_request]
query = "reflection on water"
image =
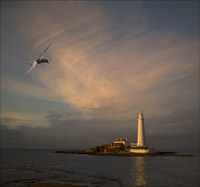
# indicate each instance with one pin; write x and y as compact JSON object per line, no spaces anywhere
{"x":141,"y":179}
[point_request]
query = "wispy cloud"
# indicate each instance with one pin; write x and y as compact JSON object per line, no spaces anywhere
{"x":16,"y":120}
{"x":104,"y":72}
{"x":119,"y":78}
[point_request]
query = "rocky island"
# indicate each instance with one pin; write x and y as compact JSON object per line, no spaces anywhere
{"x":119,"y":150}
{"x":125,"y":153}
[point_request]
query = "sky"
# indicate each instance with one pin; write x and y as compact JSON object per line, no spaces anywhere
{"x":109,"y":60}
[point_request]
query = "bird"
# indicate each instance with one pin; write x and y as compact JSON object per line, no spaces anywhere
{"x":39,"y":60}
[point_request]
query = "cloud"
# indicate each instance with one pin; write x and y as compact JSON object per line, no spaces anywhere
{"x":118,"y":79}
{"x":106,"y":72}
{"x":16,"y":120}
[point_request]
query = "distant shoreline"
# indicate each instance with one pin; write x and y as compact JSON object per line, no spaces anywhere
{"x":126,"y":154}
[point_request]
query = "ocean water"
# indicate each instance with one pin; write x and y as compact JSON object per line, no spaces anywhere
{"x":25,"y":167}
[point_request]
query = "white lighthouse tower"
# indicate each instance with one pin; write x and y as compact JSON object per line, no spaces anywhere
{"x":140,"y":146}
{"x":141,"y":133}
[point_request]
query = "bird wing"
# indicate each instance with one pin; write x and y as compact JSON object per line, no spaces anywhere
{"x":42,"y":56}
{"x":33,"y":66}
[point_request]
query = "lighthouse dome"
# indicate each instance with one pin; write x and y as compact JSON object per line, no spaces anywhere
{"x":140,"y":115}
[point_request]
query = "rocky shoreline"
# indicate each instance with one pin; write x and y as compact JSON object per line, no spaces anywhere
{"x":55,"y":185}
{"x":126,"y":153}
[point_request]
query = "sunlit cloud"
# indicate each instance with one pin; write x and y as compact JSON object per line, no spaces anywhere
{"x":104,"y":72}
{"x":119,"y":84}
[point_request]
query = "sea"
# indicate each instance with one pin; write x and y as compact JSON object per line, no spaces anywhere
{"x":23,"y":167}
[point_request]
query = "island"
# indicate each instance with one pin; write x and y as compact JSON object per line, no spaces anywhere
{"x":120,"y":150}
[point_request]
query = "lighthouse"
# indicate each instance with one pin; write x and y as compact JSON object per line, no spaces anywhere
{"x":141,"y":133}
{"x":139,"y":146}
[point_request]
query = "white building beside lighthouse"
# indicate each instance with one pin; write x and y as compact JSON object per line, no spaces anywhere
{"x":140,"y":146}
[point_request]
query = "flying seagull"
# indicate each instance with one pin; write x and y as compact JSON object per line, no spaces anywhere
{"x":39,"y":60}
